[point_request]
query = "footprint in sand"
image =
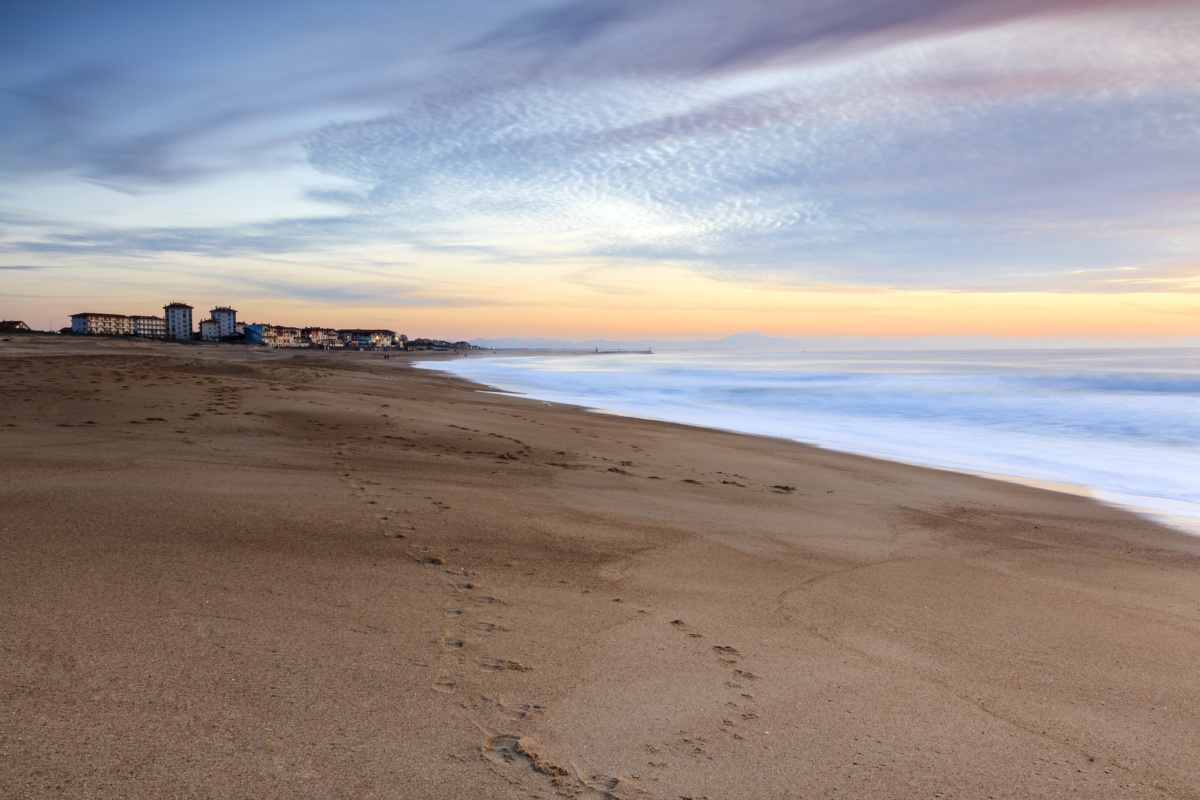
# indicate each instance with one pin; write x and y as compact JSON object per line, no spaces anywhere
{"x":500,"y":707}
{"x":422,"y":556}
{"x":729,"y":655}
{"x":523,"y":762}
{"x":490,"y":664}
{"x":462,"y":631}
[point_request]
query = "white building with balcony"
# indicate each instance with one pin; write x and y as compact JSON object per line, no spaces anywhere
{"x":94,"y":323}
{"x":179,"y":320}
{"x":210,"y":330}
{"x":154,"y":327}
{"x":226,"y":319}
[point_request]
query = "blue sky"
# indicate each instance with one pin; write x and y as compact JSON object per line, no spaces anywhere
{"x":345,"y":160}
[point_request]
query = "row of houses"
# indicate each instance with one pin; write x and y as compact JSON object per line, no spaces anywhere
{"x":223,"y":325}
{"x":325,"y":338}
{"x":439,"y":344}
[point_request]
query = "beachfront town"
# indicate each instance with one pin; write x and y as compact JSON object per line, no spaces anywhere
{"x":222,"y":325}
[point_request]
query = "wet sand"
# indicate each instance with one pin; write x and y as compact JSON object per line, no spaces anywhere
{"x":238,"y":573}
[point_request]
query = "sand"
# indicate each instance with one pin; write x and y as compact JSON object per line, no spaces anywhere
{"x":238,"y":573}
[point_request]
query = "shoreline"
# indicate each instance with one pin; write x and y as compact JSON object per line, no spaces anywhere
{"x":1178,"y":515}
{"x":319,"y":575}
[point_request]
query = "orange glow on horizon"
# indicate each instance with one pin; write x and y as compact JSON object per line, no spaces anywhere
{"x":569,"y":301}
{"x":890,"y":315}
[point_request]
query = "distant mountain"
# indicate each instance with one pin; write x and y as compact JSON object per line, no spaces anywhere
{"x":758,"y":341}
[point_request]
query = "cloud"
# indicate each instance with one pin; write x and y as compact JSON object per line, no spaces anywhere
{"x":280,"y":236}
{"x":971,"y":159}
{"x":566,"y":25}
{"x":391,"y":293}
{"x":141,"y":101}
{"x":182,"y":98}
{"x":694,"y":36}
{"x":935,"y":143}
{"x":1180,"y":278}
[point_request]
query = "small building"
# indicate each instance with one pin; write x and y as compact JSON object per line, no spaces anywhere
{"x":94,"y":323}
{"x":255,"y":332}
{"x":268,"y":334}
{"x":179,"y":320}
{"x":226,"y":319}
{"x":210,"y":330}
{"x":13,"y":325}
{"x":287,"y":337}
{"x":319,"y":337}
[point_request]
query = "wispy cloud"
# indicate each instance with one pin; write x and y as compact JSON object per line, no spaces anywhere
{"x":972,"y":157}
{"x":282,"y":236}
{"x":695,"y":36}
{"x":936,"y":143}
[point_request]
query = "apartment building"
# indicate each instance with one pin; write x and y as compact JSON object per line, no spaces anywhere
{"x":154,"y":327}
{"x":95,"y":323}
{"x":210,"y":330}
{"x":226,"y":319}
{"x":179,"y":320}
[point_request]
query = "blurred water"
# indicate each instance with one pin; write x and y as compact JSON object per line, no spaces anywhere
{"x":1125,"y":423}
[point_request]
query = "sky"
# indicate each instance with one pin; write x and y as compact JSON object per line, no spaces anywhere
{"x":615,"y":168}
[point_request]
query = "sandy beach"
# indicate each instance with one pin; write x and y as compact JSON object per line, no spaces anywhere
{"x":232,"y":573}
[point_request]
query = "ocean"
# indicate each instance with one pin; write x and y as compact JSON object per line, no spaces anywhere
{"x":1120,"y":425}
